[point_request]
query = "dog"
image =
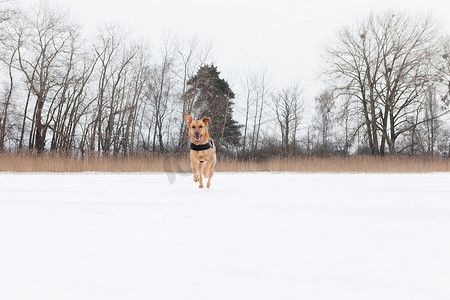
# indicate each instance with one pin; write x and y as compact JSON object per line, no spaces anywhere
{"x":203,"y":151}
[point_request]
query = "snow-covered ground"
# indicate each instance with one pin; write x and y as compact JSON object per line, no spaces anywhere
{"x":252,"y":236}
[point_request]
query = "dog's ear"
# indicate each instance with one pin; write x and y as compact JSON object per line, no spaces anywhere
{"x":188,"y":119}
{"x":206,"y":120}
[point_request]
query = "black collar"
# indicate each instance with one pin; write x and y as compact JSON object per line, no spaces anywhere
{"x":206,"y":146}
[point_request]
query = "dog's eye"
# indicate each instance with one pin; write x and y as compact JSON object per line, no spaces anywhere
{"x":193,"y":126}
{"x":201,"y":126}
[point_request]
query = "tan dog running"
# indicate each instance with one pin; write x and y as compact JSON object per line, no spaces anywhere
{"x":203,"y":150}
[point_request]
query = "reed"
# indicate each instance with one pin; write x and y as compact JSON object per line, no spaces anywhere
{"x":354,"y":164}
{"x":176,"y":163}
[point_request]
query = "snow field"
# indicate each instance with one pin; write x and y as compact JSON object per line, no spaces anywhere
{"x":251,"y":236}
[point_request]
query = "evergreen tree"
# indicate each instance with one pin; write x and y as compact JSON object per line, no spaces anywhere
{"x":213,"y":98}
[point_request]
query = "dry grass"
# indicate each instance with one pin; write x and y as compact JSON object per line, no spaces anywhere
{"x":170,"y":163}
{"x":52,"y":163}
{"x":356,"y":164}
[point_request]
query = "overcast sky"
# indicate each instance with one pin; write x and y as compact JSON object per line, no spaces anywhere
{"x":284,"y":36}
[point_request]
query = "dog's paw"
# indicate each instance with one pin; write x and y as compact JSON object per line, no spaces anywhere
{"x":200,"y":186}
{"x":195,"y":179}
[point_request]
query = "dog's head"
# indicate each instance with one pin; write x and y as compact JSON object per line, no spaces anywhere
{"x":197,"y":128}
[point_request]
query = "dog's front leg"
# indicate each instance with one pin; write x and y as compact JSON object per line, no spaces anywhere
{"x":210,"y":174}
{"x":194,"y":170}
{"x":200,"y":170}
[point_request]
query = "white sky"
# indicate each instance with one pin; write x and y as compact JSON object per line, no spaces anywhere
{"x":283,"y":36}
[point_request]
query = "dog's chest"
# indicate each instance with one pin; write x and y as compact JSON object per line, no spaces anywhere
{"x":202,"y":157}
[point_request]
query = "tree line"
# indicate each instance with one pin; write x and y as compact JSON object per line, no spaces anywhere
{"x":391,"y":75}
{"x":387,"y":87}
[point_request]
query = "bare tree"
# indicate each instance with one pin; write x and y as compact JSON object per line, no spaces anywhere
{"x":288,"y":107}
{"x":160,"y":89}
{"x":249,"y":88}
{"x":7,"y":12}
{"x":43,"y":48}
{"x":324,"y":112}
{"x":350,"y":68}
{"x":135,"y":103}
{"x":255,"y":88}
{"x":384,"y":65}
{"x":114,"y":58}
{"x":443,"y":72}
{"x":262,"y":90}
{"x":74,"y":101}
{"x":8,"y":53}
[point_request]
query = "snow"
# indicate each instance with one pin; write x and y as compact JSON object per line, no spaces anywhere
{"x":251,"y":236}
